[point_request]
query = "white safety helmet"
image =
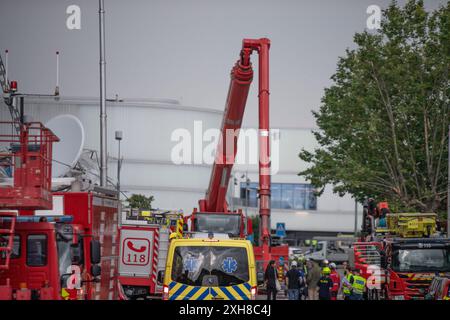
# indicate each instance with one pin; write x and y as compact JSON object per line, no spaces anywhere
{"x":294,"y":263}
{"x":332,"y":265}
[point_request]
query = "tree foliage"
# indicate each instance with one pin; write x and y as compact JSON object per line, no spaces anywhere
{"x":383,"y":123}
{"x":139,"y":201}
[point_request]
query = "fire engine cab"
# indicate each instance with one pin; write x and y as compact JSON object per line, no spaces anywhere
{"x":400,"y":259}
{"x":52,"y":245}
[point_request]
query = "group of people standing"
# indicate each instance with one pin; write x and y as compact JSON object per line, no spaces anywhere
{"x":315,"y":281}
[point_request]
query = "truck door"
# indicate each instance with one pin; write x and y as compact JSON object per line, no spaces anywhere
{"x":162,"y":255}
{"x":136,"y":251}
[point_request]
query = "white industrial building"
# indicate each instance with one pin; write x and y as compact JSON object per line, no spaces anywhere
{"x":147,"y":168}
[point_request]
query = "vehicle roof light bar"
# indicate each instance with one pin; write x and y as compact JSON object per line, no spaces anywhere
{"x":66,"y":219}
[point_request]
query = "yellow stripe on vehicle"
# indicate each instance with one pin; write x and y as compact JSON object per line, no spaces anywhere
{"x":174,"y":290}
{"x":199,"y":293}
{"x":179,"y":291}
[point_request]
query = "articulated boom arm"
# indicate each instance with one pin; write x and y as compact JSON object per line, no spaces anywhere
{"x":241,"y":78}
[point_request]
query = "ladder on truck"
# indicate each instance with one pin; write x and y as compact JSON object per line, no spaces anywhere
{"x":367,"y":258}
{"x":7,"y":227}
{"x":367,"y":254}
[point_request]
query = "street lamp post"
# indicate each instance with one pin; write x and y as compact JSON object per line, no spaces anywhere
{"x":103,"y":131}
{"x":119,"y":137}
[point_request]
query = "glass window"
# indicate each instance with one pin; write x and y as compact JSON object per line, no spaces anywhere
{"x":218,"y":223}
{"x":287,"y":196}
{"x":275,"y":195}
{"x":311,"y":200}
{"x":416,"y":260}
{"x":65,"y":259}
{"x":15,"y":253}
{"x":252,"y":194}
{"x":37,"y":250}
{"x":294,"y":196}
{"x":300,"y":196}
{"x":210,"y":266}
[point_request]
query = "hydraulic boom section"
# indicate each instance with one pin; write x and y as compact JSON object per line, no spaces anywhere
{"x":241,"y":78}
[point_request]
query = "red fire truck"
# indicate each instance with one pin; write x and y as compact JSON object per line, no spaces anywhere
{"x":400,"y":260}
{"x":144,"y":242}
{"x":214,"y":214}
{"x":52,"y":246}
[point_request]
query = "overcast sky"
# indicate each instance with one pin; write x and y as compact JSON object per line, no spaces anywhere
{"x":184,"y":49}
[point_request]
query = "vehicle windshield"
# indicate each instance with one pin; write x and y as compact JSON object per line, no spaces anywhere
{"x":15,"y":252}
{"x":218,"y":223}
{"x":406,"y":260}
{"x":210,"y":266}
{"x":64,"y":257}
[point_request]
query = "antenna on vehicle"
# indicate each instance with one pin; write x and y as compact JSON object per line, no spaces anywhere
{"x":57,"y":74}
{"x":6,"y":67}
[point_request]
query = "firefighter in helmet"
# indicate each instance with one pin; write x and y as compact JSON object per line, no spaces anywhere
{"x":325,"y":284}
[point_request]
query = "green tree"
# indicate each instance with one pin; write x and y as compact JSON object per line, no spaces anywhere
{"x":139,"y":201}
{"x":383,"y":123}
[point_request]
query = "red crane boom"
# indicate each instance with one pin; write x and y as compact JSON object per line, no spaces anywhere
{"x":241,"y":78}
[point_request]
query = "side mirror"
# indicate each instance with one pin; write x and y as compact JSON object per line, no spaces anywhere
{"x":260,"y":277}
{"x":64,"y":278}
{"x":75,"y":254}
{"x":160,"y":277}
{"x":95,"y":252}
{"x":96,"y":270}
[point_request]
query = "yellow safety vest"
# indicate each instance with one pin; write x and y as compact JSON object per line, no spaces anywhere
{"x":359,"y":283}
{"x":346,"y":290}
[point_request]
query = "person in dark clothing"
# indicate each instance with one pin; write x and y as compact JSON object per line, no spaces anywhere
{"x":293,"y":281}
{"x":303,"y":290}
{"x":325,"y":284}
{"x":271,"y":278}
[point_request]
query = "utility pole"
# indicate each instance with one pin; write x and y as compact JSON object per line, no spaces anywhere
{"x":119,"y":136}
{"x":103,"y":132}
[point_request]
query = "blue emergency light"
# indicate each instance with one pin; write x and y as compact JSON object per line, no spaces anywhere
{"x":66,"y":219}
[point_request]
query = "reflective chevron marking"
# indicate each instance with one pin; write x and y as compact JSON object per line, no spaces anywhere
{"x":241,"y":294}
{"x":203,"y":295}
{"x":179,"y":291}
{"x":228,"y":293}
{"x":171,"y":285}
{"x":191,"y":293}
